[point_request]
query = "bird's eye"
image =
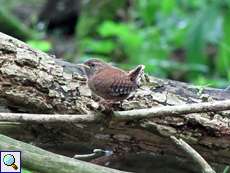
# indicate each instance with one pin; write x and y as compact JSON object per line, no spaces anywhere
{"x":92,"y":65}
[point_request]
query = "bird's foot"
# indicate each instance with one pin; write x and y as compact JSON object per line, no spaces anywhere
{"x":109,"y":105}
{"x":106,"y":104}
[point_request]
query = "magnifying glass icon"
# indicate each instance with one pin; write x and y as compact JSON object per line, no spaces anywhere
{"x":9,"y":160}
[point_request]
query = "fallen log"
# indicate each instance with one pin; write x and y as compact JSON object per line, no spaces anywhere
{"x":34,"y":82}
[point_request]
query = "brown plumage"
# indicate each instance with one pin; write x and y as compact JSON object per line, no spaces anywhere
{"x":109,"y":82}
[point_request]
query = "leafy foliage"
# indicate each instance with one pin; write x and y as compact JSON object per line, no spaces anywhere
{"x":40,"y":44}
{"x":185,"y":40}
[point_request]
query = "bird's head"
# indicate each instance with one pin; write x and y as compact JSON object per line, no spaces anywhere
{"x":93,"y":66}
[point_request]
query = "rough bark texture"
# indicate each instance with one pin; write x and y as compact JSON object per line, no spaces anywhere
{"x":31,"y":81}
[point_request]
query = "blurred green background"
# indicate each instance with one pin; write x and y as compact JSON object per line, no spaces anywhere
{"x":186,"y":40}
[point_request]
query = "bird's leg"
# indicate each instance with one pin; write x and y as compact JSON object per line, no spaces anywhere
{"x":110,"y":105}
{"x":106,"y":103}
{"x":120,"y":103}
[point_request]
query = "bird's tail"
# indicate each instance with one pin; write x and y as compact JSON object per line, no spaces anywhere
{"x":136,"y":73}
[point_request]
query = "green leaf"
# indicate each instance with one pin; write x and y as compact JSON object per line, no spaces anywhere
{"x":206,"y":81}
{"x":127,"y":37}
{"x":147,"y":9}
{"x":98,"y":46}
{"x":43,"y":45}
{"x":223,"y":60}
{"x":167,"y":6}
{"x":124,"y":32}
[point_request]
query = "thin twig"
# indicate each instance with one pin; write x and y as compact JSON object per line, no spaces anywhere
{"x":206,"y":168}
{"x":120,"y":115}
{"x":96,"y":153}
{"x":173,"y":110}
{"x":45,"y":118}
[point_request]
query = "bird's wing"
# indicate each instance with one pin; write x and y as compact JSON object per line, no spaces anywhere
{"x":113,"y":83}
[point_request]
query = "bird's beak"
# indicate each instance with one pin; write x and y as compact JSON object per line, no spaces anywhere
{"x":83,"y":66}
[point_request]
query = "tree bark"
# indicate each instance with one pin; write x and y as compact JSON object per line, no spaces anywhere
{"x":34,"y":82}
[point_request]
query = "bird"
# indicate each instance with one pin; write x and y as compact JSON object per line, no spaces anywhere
{"x":111,"y":83}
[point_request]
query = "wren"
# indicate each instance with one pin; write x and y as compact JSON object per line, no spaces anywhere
{"x":109,"y":82}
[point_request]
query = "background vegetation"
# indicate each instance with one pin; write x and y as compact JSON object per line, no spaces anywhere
{"x":185,"y":40}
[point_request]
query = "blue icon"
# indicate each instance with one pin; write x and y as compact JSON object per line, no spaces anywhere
{"x":9,"y":160}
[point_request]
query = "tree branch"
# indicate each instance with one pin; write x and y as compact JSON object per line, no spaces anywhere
{"x":173,"y":110}
{"x":96,"y":153}
{"x":47,"y":118}
{"x":122,"y":115}
{"x":206,"y":168}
